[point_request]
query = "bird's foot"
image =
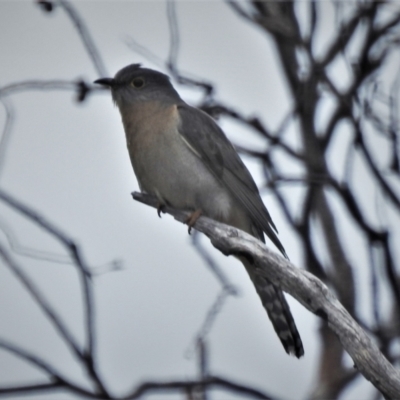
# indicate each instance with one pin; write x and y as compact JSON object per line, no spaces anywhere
{"x":160,"y":209}
{"x":192,"y":218}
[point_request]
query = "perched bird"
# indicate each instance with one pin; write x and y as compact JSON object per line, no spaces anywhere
{"x":182,"y":156}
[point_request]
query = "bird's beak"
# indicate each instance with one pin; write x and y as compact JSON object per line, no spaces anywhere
{"x":109,"y":82}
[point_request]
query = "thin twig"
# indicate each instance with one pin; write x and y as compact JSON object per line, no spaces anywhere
{"x":84,"y":274}
{"x":210,"y":382}
{"x":36,"y":84}
{"x":51,"y":314}
{"x":10,"y":117}
{"x":85,"y":36}
{"x":174,"y":36}
{"x":19,"y":249}
{"x":58,"y":380}
{"x":144,"y":51}
{"x":214,"y":267}
{"x":31,"y":359}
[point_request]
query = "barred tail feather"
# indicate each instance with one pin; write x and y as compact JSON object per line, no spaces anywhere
{"x":278,"y":312}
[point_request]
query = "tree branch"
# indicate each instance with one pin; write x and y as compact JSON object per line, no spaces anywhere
{"x":209,"y":382}
{"x":85,"y":36}
{"x":88,"y":354}
{"x":304,"y":287}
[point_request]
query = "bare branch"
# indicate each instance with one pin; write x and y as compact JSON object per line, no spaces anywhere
{"x":386,"y":189}
{"x":210,"y":382}
{"x":86,"y":37}
{"x":58,"y":380}
{"x":223,"y":280}
{"x":255,"y":124}
{"x":29,"y":389}
{"x":346,"y":32}
{"x":84,"y":273}
{"x":307,"y":289}
{"x":342,"y":275}
{"x":36,"y":85}
{"x":144,"y":51}
{"x":10,"y":116}
{"x":53,"y":317}
{"x":80,"y":87}
{"x":19,"y":249}
{"x":174,"y":36}
{"x":30,"y":358}
{"x":239,"y":10}
{"x":212,"y":314}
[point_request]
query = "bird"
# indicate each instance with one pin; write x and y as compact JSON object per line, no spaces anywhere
{"x":180,"y":155}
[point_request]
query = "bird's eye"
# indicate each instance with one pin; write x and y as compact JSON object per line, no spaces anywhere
{"x":138,"y":83}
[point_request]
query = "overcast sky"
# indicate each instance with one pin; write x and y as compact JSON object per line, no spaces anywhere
{"x":70,"y":163}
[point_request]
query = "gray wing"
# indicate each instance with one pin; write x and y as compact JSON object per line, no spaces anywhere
{"x":223,"y":161}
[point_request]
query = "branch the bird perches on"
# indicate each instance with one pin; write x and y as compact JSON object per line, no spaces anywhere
{"x":305,"y":288}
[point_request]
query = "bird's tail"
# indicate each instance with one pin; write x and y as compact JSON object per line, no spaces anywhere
{"x":278,"y":312}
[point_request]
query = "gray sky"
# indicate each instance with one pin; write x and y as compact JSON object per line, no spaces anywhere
{"x":70,"y":163}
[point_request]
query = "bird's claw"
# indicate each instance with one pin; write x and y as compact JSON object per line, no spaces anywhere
{"x":160,"y":209}
{"x":191,"y":219}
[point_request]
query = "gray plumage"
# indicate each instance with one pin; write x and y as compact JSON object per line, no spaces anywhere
{"x":182,"y":156}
